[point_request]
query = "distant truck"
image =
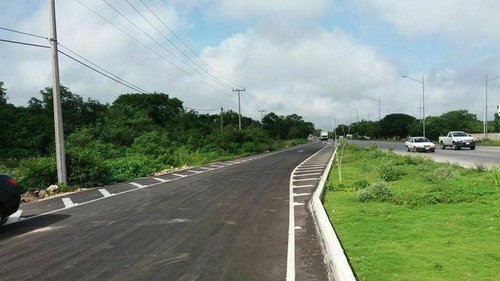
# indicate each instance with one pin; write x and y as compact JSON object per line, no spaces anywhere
{"x":457,"y":140}
{"x":324,"y":136}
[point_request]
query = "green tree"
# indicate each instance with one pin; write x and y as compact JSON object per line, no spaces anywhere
{"x":396,"y":125}
{"x":3,"y":94}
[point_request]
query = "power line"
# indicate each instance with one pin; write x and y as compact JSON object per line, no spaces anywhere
{"x":108,"y":75}
{"x":24,"y":33}
{"x":186,"y":45}
{"x":130,"y":85}
{"x":147,"y":47}
{"x":172,"y":43}
{"x":159,"y":44}
{"x":25,"y":43}
{"x":124,"y":83}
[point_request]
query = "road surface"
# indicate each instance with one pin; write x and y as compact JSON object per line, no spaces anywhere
{"x":482,"y":155}
{"x":224,"y":221}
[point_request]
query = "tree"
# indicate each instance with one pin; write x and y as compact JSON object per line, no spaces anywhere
{"x":460,"y":120}
{"x":396,"y":125}
{"x":3,"y":94}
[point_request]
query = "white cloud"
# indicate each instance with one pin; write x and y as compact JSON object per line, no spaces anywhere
{"x":242,"y":9}
{"x":455,"y":18}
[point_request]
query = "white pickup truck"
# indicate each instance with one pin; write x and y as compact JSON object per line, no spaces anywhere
{"x":457,"y":140}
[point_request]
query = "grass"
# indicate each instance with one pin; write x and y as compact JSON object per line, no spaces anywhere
{"x":439,"y":222}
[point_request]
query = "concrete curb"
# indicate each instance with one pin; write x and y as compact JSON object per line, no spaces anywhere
{"x":335,"y":258}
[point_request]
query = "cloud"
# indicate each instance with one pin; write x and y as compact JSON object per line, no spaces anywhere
{"x":309,"y":73}
{"x":458,"y":19}
{"x":243,"y":10}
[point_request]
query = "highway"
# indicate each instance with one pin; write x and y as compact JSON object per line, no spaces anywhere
{"x":223,"y":221}
{"x":483,"y":155}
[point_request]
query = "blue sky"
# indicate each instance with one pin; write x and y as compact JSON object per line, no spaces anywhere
{"x":324,"y":60}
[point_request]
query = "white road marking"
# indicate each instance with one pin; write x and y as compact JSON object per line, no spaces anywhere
{"x":205,"y":168}
{"x":14,"y":217}
{"x":290,"y":265}
{"x":311,"y":174}
{"x":193,"y":171}
{"x":300,"y":194}
{"x":310,"y":179}
{"x":298,"y":204}
{"x":67,"y":202}
{"x":137,"y":184}
{"x":311,"y":168}
{"x":300,"y":151}
{"x":301,"y":186}
{"x":160,"y":179}
{"x":104,"y":192}
{"x":179,"y":175}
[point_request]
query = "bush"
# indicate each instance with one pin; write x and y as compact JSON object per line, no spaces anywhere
{"x":86,"y":168}
{"x":390,"y":172}
{"x":444,"y":173}
{"x":131,"y":167}
{"x":495,"y":175}
{"x":37,"y":173}
{"x":361,"y":184}
{"x":380,"y":191}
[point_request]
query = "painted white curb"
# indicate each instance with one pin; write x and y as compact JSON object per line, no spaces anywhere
{"x":336,"y":260}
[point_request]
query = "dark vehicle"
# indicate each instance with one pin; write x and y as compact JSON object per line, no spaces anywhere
{"x":10,"y":197}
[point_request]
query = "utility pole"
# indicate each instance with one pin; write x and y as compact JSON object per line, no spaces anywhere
{"x":239,"y":104}
{"x":379,"y":127}
{"x":56,"y":94}
{"x":261,"y":118}
{"x":221,"y":109}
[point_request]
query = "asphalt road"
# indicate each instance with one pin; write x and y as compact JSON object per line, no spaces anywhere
{"x":226,"y":221}
{"x":483,"y":155}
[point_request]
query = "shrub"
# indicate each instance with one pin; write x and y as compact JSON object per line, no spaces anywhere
{"x":480,"y":167}
{"x":445,"y":173}
{"x":390,"y":172}
{"x":495,"y":175}
{"x":361,"y":184}
{"x":122,"y":169}
{"x":37,"y":173}
{"x":86,"y":168}
{"x":380,"y":191}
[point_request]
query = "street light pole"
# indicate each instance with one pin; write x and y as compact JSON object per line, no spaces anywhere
{"x":486,"y":105}
{"x":423,"y":100}
{"x":379,"y":127}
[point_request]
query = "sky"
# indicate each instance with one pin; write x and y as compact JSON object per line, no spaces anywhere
{"x":329,"y":61}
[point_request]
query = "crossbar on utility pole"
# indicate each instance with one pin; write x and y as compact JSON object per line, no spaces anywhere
{"x":56,"y":94}
{"x":239,"y":105}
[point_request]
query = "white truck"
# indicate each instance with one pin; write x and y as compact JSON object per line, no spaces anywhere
{"x":323,"y":136}
{"x":457,"y":140}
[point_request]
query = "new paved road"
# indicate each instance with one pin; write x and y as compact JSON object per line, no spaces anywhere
{"x":225,"y":221}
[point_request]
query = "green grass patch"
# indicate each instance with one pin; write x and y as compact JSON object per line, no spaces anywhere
{"x":409,"y":218}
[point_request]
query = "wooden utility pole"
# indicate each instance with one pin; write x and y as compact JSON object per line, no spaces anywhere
{"x":239,"y":104}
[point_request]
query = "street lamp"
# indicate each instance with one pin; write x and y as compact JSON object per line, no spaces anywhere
{"x":486,"y":106}
{"x":378,"y":113}
{"x":423,"y":100}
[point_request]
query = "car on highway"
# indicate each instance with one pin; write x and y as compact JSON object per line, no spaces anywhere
{"x":10,"y":197}
{"x":420,"y":144}
{"x":457,"y":140}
